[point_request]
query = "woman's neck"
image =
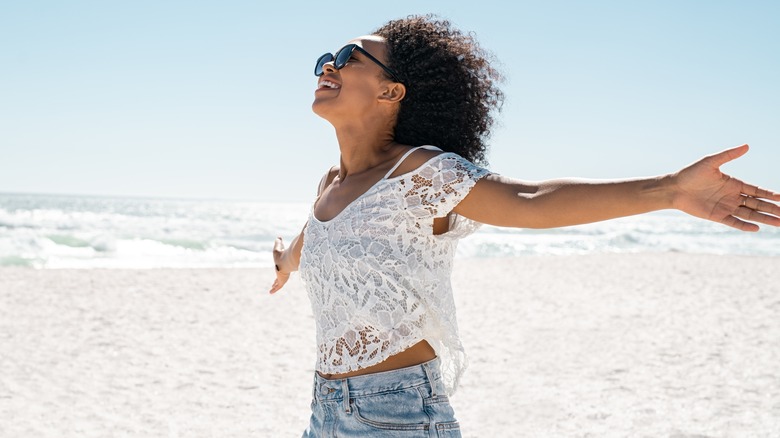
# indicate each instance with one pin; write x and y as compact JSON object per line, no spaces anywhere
{"x":362,"y":150}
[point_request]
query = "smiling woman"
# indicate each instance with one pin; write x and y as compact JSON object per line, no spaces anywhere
{"x":412,"y":105}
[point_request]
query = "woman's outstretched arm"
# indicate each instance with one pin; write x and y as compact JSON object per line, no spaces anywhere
{"x":700,"y":189}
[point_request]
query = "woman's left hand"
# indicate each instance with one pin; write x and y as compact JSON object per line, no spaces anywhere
{"x":281,"y":276}
{"x":706,"y":192}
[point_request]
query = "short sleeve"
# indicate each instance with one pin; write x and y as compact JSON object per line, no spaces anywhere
{"x":437,"y":187}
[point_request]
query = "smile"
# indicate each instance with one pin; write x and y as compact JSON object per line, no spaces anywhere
{"x":328,"y":84}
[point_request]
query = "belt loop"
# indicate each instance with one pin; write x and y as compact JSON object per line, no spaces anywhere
{"x":429,"y":374}
{"x":345,"y":393}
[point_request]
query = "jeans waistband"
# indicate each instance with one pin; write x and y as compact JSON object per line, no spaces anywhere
{"x":402,"y":378}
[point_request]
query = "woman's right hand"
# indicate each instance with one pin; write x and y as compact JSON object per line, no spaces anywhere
{"x":282,"y":275}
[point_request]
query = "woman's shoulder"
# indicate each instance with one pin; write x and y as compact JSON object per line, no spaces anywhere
{"x":419,"y":157}
{"x":328,"y":178}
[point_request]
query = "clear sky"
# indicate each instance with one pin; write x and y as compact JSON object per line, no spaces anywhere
{"x":212,"y":99}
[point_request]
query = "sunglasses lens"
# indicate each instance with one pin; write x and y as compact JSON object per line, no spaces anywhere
{"x":342,"y":56}
{"x":324,"y":59}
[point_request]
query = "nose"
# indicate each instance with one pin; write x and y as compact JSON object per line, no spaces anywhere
{"x":328,"y":67}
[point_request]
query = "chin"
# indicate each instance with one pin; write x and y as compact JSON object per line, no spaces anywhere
{"x":324,"y":110}
{"x":318,"y":108}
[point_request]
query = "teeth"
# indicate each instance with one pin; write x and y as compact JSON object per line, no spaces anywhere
{"x":328,"y":84}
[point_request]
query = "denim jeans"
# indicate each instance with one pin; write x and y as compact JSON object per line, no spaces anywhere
{"x":408,"y":402}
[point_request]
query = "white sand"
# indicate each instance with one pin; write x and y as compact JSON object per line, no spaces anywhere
{"x":613,"y":345}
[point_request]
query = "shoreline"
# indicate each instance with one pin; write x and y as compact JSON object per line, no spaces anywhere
{"x":605,"y":344}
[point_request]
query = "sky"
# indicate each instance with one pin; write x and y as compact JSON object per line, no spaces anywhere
{"x":212,"y":99}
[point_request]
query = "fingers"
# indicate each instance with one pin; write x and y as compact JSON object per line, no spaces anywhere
{"x":758,"y":192}
{"x":741,"y":225}
{"x":275,"y":287}
{"x":281,"y":280}
{"x":755,"y":204}
{"x":724,"y":157}
{"x":761,"y":218}
{"x":756,"y":216}
{"x":753,"y":211}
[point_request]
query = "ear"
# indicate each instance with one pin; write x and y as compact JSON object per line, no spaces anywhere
{"x":394,"y":92}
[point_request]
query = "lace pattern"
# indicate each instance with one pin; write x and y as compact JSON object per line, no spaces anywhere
{"x":377,"y":277}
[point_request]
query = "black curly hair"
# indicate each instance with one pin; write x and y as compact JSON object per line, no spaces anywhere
{"x":451,"y":87}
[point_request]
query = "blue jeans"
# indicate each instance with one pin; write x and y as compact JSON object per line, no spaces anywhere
{"x":408,"y":402}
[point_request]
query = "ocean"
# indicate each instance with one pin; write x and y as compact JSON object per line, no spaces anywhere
{"x":64,"y":231}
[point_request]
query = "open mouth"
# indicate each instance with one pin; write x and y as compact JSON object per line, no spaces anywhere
{"x":328,"y":85}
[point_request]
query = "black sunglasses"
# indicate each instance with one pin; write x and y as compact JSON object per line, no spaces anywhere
{"x":343,"y":55}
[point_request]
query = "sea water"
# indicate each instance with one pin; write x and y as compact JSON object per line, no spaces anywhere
{"x":63,"y":231}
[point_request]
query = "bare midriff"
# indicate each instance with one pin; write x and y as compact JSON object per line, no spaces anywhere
{"x":418,"y":353}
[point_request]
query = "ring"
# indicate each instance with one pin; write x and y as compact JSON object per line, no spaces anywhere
{"x":277,"y":266}
{"x":744,"y":201}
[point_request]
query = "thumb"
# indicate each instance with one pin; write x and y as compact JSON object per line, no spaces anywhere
{"x":724,"y":157}
{"x":278,"y":245}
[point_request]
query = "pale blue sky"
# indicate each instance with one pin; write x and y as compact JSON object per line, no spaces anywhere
{"x":211,"y":99}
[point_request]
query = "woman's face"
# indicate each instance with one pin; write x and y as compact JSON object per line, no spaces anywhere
{"x":355,"y":89}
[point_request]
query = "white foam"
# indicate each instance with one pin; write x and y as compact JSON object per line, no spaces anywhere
{"x":83,"y":232}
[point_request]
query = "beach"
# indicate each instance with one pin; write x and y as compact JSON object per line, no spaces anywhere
{"x":666,"y":344}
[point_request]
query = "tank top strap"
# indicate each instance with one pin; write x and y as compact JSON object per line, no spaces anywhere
{"x":409,"y":152}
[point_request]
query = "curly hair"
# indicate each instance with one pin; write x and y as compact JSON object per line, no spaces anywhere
{"x":451,"y":87}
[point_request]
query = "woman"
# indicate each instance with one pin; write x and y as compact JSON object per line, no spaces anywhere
{"x":382,"y":232}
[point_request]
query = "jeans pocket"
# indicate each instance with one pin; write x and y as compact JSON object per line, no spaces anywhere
{"x":398,"y":410}
{"x":448,"y":430}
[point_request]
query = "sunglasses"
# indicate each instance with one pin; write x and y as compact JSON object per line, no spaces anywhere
{"x":343,"y":55}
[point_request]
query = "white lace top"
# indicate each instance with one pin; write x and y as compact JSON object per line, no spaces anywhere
{"x":379,"y":279}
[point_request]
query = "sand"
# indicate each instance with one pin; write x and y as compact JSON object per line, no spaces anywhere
{"x":651,"y":345}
